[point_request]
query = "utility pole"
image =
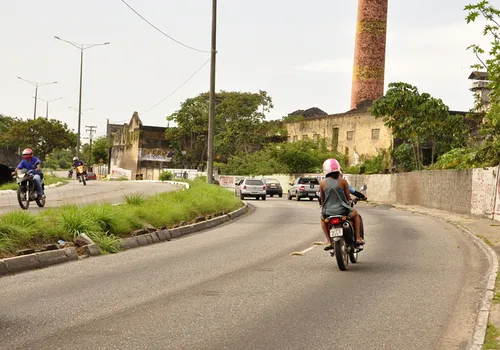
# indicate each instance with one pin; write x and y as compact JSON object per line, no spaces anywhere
{"x":91,"y":131}
{"x":211,"y":113}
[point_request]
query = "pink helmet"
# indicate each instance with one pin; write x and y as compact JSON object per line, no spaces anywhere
{"x":331,"y":166}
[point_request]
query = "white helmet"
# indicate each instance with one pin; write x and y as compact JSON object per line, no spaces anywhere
{"x":331,"y":166}
{"x":75,"y":159}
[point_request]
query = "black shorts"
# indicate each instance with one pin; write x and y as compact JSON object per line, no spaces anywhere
{"x":346,"y":212}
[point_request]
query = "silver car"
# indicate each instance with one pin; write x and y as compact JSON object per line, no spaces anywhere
{"x":251,"y":188}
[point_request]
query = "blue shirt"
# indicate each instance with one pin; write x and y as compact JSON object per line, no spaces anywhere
{"x":77,"y":163}
{"x":352,"y":189}
{"x":29,"y":164}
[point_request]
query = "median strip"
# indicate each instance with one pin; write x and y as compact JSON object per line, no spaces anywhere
{"x":139,"y":221}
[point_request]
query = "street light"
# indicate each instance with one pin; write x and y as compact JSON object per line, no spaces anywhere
{"x":36,"y":85}
{"x":81,"y":47}
{"x":47,"y":103}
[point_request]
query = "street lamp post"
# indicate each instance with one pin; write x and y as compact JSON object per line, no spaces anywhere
{"x":211,"y":110}
{"x":81,"y":47}
{"x":36,"y":85}
{"x":47,"y":104}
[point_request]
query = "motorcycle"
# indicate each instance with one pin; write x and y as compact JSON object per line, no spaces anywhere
{"x":26,"y":191}
{"x":70,"y":173}
{"x":343,"y":237}
{"x":81,"y":174}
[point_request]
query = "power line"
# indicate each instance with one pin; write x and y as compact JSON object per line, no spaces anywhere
{"x":162,"y":32}
{"x":184,"y":83}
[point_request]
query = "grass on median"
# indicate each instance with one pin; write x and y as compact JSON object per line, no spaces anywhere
{"x":49,"y":179}
{"x":104,"y":223}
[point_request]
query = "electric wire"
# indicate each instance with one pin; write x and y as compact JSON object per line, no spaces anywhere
{"x":178,"y":88}
{"x":162,"y":32}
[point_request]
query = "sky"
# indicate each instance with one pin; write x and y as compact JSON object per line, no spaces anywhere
{"x":300,"y":52}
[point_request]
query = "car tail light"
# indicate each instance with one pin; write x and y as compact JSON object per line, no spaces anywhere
{"x":302,"y":188}
{"x":245,"y":187}
{"x":335,"y":221}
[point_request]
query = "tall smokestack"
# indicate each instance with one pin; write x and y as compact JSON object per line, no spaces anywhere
{"x":369,"y":53}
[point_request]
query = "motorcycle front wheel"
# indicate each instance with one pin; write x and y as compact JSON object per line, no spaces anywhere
{"x":22,"y":197}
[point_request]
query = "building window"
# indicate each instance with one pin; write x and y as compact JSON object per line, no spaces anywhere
{"x":350,"y":135}
{"x":316,"y":138}
{"x":375,"y":134}
{"x":335,"y":139}
{"x":295,"y":138}
{"x":305,"y":137}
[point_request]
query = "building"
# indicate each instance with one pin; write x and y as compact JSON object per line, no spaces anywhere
{"x":355,"y":133}
{"x":481,"y":88}
{"x":138,"y":151}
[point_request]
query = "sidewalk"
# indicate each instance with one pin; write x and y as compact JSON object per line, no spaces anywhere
{"x":489,"y":232}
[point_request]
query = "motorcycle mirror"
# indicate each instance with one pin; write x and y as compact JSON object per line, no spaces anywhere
{"x":363,"y":188}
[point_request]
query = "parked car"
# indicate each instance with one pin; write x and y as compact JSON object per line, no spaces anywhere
{"x":304,"y":187}
{"x":91,"y":176}
{"x":251,"y":188}
{"x":273,"y":187}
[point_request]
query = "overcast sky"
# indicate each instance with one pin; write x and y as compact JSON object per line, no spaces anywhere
{"x":300,"y":52}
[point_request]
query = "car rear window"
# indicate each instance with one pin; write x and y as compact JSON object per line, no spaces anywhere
{"x":254,"y":182}
{"x":272,"y":182}
{"x":308,"y":180}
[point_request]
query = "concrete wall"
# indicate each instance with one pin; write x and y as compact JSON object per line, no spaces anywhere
{"x":360,"y":124}
{"x":473,"y":191}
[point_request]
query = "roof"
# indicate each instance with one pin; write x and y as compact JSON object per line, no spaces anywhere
{"x":476,"y":75}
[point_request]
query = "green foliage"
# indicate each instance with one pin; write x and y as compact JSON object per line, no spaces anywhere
{"x":488,"y":153}
{"x":59,"y":159}
{"x":419,"y":119}
{"x":105,"y":223}
{"x":457,"y":158}
{"x":378,"y":164}
{"x":283,"y":158}
{"x":166,"y":176}
{"x":100,"y":149}
{"x":239,"y":117}
{"x":403,"y":157}
{"x":42,"y":135}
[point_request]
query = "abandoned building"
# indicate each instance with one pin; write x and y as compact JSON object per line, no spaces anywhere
{"x":140,"y":149}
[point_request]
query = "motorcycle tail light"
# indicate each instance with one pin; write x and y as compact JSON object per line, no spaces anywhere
{"x":335,"y":221}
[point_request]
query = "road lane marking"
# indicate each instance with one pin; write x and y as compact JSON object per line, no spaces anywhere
{"x":302,"y":253}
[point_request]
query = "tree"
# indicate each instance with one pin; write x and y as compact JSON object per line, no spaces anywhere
{"x":238,"y":120}
{"x":488,"y":153}
{"x":59,"y":159}
{"x":418,"y":119}
{"x":100,"y":149}
{"x":41,"y":135}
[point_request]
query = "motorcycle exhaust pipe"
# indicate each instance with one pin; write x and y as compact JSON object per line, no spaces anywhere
{"x":345,"y":225}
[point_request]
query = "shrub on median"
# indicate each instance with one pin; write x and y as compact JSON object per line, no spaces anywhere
{"x":103,"y":222}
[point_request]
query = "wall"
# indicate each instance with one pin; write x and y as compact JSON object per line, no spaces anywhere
{"x":9,"y":157}
{"x":473,"y":191}
{"x":361,"y":123}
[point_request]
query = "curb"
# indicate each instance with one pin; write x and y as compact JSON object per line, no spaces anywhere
{"x":39,"y":260}
{"x":169,"y":234}
{"x":57,"y":184}
{"x":478,"y":336}
{"x":10,"y":266}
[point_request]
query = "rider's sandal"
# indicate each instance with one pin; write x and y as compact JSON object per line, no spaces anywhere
{"x":328,"y":247}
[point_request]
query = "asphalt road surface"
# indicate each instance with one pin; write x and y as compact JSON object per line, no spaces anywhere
{"x":417,"y":286}
{"x":94,"y":192}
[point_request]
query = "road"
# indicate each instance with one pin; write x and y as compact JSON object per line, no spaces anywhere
{"x":95,"y":192}
{"x":417,"y":286}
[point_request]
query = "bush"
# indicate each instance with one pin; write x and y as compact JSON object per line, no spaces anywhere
{"x":166,"y":176}
{"x":105,"y":223}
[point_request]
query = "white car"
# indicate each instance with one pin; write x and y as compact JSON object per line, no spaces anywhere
{"x":251,"y":188}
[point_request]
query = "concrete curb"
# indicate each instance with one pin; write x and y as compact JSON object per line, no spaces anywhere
{"x":167,"y":235}
{"x":477,"y":340}
{"x":57,"y":184}
{"x":39,"y":260}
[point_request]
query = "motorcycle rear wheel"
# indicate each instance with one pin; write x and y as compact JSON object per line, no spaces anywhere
{"x":341,"y":254}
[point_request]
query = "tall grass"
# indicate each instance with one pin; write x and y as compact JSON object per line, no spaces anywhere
{"x":104,"y":222}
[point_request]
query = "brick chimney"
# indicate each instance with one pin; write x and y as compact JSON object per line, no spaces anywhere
{"x":369,"y":54}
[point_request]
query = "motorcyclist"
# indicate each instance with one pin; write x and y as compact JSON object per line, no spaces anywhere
{"x":335,"y":198}
{"x":353,"y":190}
{"x":32,"y":164}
